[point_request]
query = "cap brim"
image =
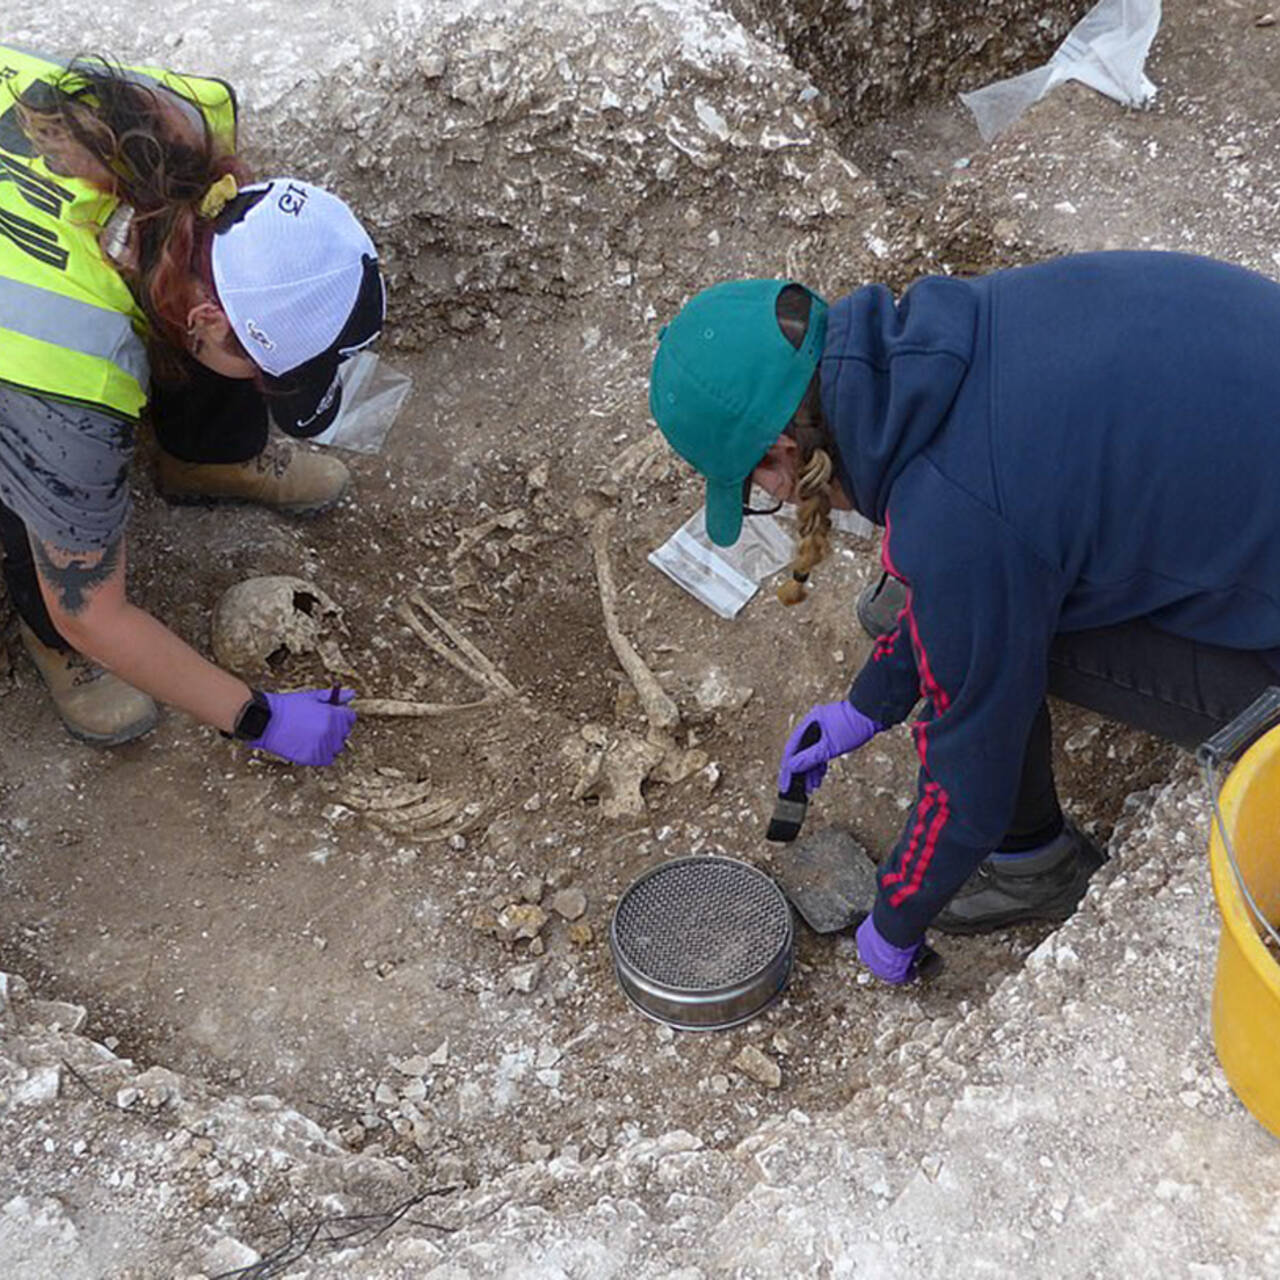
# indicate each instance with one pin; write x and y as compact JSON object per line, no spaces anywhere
{"x":724,"y":512}
{"x":305,"y":401}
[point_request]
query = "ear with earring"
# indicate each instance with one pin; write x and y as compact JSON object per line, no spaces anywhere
{"x":194,"y":340}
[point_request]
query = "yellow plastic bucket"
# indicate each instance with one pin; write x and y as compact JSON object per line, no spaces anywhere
{"x":1246,"y":990}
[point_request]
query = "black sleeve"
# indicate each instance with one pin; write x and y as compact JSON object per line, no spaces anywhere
{"x":204,"y":417}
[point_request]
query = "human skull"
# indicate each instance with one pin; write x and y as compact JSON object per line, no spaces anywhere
{"x":261,"y":621}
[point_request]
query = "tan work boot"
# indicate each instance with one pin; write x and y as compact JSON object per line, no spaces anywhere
{"x":95,"y":706}
{"x":295,"y":481}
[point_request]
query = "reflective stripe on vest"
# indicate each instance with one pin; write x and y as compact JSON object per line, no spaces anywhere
{"x":67,"y":322}
{"x":69,"y":327}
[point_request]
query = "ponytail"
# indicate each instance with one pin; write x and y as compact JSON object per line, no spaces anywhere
{"x":814,"y":473}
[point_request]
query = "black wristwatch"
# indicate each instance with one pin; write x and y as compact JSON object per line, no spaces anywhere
{"x":253,"y":718}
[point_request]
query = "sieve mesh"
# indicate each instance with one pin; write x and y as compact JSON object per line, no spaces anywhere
{"x":700,"y":924}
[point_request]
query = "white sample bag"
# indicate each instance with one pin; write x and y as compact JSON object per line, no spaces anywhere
{"x":723,"y":578}
{"x":1107,"y":50}
{"x":372,"y":394}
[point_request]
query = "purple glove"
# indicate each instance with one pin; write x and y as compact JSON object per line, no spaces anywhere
{"x":306,"y":727}
{"x":841,"y":728}
{"x":891,"y":964}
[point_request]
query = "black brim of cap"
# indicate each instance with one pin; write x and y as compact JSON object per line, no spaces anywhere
{"x":305,"y":401}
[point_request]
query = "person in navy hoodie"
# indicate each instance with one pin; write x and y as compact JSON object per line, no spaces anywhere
{"x":1077,"y":467}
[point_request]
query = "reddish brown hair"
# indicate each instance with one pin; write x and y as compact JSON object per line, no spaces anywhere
{"x":144,"y":154}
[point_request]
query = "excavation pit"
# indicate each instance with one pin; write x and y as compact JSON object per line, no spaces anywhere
{"x":546,"y":192}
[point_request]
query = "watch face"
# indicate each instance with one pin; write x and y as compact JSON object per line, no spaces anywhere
{"x":253,"y":719}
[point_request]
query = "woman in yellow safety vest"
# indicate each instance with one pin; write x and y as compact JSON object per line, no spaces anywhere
{"x":138,"y":263}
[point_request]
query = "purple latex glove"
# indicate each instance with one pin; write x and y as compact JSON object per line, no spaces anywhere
{"x":891,"y":964}
{"x":841,"y":728}
{"x":307,"y":727}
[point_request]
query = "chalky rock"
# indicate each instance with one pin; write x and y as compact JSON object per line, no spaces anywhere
{"x":39,"y":1087}
{"x":759,"y":1067}
{"x":527,"y":153}
{"x":262,"y":621}
{"x":569,"y":903}
{"x":520,"y":921}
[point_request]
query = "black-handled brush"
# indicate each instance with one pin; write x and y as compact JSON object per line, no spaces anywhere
{"x":793,"y":803}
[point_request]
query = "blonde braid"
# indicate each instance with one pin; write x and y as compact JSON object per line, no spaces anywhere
{"x":813,"y":523}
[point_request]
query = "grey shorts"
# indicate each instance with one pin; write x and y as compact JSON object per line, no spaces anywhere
{"x":64,"y":470}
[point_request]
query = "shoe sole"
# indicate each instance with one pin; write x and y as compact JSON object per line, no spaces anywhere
{"x":292,"y":509}
{"x":129,"y":733}
{"x":1007,"y":919}
{"x":993,"y":924}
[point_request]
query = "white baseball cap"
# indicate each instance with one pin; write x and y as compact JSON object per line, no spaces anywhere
{"x":297,"y":276}
{"x":289,"y":270}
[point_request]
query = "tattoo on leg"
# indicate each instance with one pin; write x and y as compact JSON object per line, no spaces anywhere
{"x":82,"y":571}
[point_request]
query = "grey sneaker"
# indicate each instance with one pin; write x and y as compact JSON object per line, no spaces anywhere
{"x":1046,"y":884}
{"x":880,"y":604}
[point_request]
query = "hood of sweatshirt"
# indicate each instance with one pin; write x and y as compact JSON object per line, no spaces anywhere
{"x":890,"y":374}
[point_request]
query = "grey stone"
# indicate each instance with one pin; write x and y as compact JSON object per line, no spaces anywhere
{"x":717,"y":692}
{"x":41,"y":1086}
{"x":58,"y":1015}
{"x":524,"y":977}
{"x":569,"y":903}
{"x":759,"y":1067}
{"x":13,"y":989}
{"x":229,"y":1254}
{"x":417,"y":1065}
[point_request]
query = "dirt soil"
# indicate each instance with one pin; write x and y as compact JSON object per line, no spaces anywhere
{"x":241,"y":920}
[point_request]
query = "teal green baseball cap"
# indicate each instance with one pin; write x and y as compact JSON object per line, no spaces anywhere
{"x":724,"y":384}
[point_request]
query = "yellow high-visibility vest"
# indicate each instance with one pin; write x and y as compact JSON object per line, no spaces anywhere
{"x":69,"y":327}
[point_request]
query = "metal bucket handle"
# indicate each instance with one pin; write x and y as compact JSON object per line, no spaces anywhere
{"x":1225,"y":746}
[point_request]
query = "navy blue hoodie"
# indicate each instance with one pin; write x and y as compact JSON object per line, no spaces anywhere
{"x":1052,"y":448}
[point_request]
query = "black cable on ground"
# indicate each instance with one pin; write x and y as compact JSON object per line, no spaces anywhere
{"x":338,"y":1231}
{"x":341,"y":1231}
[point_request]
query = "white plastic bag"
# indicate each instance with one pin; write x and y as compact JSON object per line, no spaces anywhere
{"x":723,"y":578}
{"x":1107,"y":50}
{"x":372,"y":394}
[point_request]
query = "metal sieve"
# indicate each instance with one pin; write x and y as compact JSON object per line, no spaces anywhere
{"x":702,"y":943}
